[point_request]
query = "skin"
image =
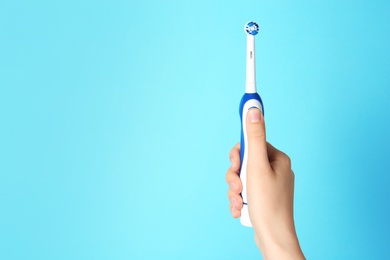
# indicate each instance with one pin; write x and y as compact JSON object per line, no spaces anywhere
{"x":270,"y":191}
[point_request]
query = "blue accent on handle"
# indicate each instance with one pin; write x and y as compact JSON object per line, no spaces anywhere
{"x":244,"y":99}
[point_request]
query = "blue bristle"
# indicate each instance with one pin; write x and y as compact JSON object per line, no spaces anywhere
{"x":251,"y":28}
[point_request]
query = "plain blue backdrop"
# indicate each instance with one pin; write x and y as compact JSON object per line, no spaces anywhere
{"x":117,"y":117}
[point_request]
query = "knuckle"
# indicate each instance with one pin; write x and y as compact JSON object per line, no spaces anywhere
{"x":230,"y":194}
{"x":256,"y":133}
{"x":286,"y":160}
{"x":229,"y":175}
{"x":234,"y":152}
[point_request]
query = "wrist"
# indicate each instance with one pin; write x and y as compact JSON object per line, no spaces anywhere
{"x":277,"y":242}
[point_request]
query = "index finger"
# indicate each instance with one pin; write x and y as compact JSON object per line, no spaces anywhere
{"x":234,"y":156}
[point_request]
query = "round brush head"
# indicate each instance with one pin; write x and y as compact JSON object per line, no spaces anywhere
{"x":252,"y":28}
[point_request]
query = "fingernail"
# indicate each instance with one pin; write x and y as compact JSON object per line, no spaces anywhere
{"x":254,"y":115}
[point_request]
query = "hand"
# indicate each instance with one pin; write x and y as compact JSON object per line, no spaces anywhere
{"x":270,"y":184}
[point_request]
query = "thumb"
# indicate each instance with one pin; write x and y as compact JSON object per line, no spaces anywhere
{"x":257,"y":144}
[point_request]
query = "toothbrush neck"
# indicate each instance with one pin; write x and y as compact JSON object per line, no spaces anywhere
{"x":250,"y":65}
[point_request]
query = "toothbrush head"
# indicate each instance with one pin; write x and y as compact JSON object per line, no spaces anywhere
{"x":251,"y":28}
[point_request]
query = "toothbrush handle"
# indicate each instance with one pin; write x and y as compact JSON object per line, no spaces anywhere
{"x":248,"y":101}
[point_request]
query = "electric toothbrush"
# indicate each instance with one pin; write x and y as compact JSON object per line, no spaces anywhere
{"x":250,"y":100}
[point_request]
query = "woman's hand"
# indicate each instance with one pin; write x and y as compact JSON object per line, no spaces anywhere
{"x":270,"y":191}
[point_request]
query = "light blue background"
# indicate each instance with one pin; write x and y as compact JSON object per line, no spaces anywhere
{"x":116,"y":119}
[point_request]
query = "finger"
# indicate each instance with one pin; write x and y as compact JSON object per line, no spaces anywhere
{"x":257,"y":145}
{"x":235,"y":213}
{"x":258,"y":165}
{"x":234,"y":181}
{"x":234,"y":156}
{"x":235,"y":199}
